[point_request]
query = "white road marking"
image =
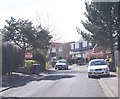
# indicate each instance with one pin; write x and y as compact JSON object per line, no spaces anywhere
{"x":105,"y":88}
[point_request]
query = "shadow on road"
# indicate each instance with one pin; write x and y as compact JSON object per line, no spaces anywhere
{"x":18,"y":80}
{"x":56,"y":71}
{"x":57,"y":77}
{"x":21,"y":80}
{"x":95,"y":77}
{"x":110,"y":76}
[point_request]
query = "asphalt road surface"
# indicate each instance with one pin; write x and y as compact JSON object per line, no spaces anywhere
{"x":59,"y":83}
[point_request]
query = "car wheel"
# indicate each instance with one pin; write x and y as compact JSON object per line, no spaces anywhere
{"x":108,"y":75}
{"x":66,"y":68}
{"x":89,"y":76}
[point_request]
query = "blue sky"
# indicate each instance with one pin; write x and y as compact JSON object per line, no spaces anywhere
{"x":60,"y":16}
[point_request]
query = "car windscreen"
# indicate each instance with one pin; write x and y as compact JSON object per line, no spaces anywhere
{"x":60,"y":61}
{"x":98,"y":63}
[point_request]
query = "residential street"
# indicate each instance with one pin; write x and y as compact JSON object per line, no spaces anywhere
{"x":59,"y":83}
{"x":59,"y":48}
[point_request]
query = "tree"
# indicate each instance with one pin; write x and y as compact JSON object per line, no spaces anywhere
{"x":20,"y":32}
{"x":102,"y":24}
{"x":16,"y":31}
{"x":42,"y":43}
{"x":42,"y":38}
{"x":23,"y":34}
{"x":41,"y":59}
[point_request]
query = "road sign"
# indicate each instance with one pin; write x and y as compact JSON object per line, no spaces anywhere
{"x":28,"y":55}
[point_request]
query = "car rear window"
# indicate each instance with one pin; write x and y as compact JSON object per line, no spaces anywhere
{"x":98,"y":63}
{"x":60,"y":61}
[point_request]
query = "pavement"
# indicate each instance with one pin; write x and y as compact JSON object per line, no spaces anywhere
{"x":108,"y":84}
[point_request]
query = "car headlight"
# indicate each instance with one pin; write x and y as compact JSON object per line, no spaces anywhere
{"x":91,"y":70}
{"x":106,"y":69}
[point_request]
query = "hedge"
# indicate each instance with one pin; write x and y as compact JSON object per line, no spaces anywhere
{"x":11,"y":58}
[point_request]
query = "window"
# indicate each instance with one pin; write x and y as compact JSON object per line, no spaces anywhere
{"x":60,"y":49}
{"x":72,"y":46}
{"x":80,"y":44}
{"x":98,"y":63}
{"x":54,"y":49}
{"x":84,"y":43}
{"x":76,"y":45}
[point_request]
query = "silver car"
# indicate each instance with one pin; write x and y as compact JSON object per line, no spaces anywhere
{"x":98,"y":67}
{"x":61,"y":64}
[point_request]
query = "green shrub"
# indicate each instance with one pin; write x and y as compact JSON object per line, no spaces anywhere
{"x":28,"y":63}
{"x":40,"y":58}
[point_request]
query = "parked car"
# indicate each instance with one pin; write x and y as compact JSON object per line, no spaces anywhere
{"x":61,"y":64}
{"x":35,"y":69}
{"x":98,"y":67}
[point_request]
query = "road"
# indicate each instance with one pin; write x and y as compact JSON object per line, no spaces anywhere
{"x":59,"y":83}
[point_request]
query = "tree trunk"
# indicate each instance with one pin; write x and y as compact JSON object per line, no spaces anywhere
{"x":111,"y":42}
{"x":112,"y":49}
{"x":23,"y":55}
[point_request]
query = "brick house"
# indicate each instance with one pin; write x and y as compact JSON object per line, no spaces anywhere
{"x":59,"y":50}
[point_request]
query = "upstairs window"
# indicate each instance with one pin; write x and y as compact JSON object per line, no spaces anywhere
{"x":53,"y":49}
{"x":72,"y":46}
{"x":77,"y":45}
{"x":60,"y":49}
{"x":84,"y":43}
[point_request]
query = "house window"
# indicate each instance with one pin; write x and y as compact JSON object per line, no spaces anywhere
{"x":76,"y":45}
{"x":80,"y":44}
{"x":84,"y":43}
{"x":54,"y":49}
{"x":72,"y":46}
{"x":60,"y":49}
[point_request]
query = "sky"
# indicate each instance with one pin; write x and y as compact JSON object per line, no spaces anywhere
{"x":61,"y":17}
